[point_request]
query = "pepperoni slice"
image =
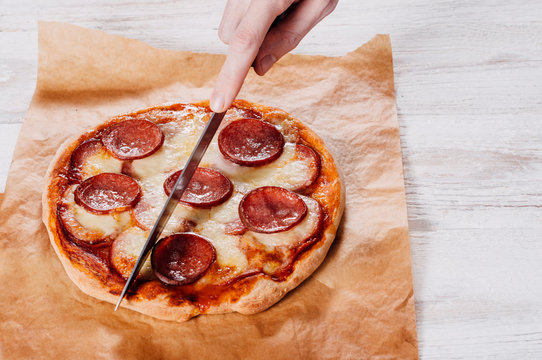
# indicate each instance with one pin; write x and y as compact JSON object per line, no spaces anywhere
{"x":84,"y":233}
{"x":250,"y":142}
{"x":207,"y":188}
{"x":271,"y":209}
{"x":83,"y":151}
{"x":181,"y":259}
{"x":107,"y":192}
{"x":76,"y":231}
{"x":312,"y":159}
{"x":133,"y":139}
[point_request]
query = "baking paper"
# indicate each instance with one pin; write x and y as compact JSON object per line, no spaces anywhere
{"x":358,"y":305}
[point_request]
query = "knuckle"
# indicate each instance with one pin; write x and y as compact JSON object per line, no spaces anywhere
{"x":290,"y":38}
{"x":244,"y":40}
{"x":330,"y":6}
{"x":223,"y":35}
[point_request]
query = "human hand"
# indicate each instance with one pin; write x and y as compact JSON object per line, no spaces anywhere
{"x":245,"y":27}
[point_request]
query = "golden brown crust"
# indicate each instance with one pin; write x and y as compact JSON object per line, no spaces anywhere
{"x":252,"y":294}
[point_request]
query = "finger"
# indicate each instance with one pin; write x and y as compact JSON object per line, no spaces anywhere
{"x":287,"y":34}
{"x":242,"y":50}
{"x":234,"y":11}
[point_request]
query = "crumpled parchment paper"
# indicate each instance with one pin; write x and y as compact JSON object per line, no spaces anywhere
{"x":359,"y":304}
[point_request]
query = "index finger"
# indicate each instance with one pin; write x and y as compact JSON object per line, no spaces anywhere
{"x":243,"y":49}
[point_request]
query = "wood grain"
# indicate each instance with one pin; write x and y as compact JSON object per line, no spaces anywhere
{"x":469,"y":94}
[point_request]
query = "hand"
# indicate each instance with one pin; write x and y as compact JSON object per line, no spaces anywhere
{"x":245,"y":27}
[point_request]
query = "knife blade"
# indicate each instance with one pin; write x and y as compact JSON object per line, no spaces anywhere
{"x":173,"y":199}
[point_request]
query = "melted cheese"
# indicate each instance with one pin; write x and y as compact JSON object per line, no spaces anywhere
{"x":228,"y":211}
{"x":101,"y":162}
{"x":179,"y":142}
{"x":108,"y":224}
{"x":226,"y":246}
{"x":126,"y":249}
{"x":154,"y":198}
{"x":287,"y":171}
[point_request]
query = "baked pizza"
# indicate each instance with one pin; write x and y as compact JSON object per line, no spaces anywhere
{"x":256,"y":219}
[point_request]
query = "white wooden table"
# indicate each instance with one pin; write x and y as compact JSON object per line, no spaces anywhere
{"x":469,"y":93}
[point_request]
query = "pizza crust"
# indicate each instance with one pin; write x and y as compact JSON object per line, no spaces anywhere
{"x":262,"y":293}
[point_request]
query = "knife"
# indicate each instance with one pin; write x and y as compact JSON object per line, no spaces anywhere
{"x":173,"y":199}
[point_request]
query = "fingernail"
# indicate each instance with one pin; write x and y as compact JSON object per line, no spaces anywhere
{"x":266,"y":62}
{"x":217,"y":102}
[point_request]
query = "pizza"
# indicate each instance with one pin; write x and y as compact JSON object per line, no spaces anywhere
{"x":256,"y":219}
